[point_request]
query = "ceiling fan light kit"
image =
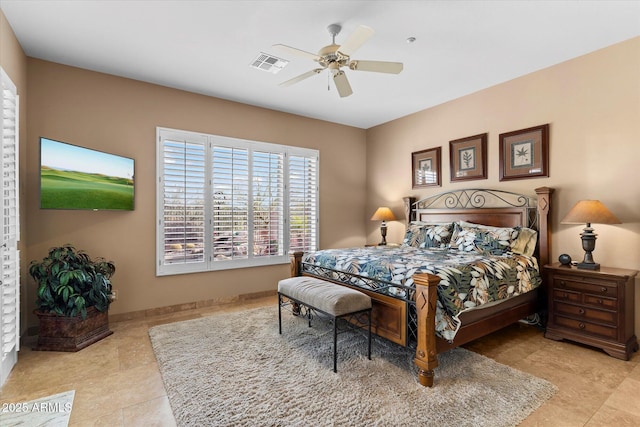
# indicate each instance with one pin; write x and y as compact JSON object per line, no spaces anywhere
{"x":334,"y":57}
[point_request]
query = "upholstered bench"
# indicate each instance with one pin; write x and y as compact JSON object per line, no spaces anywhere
{"x":335,"y":301}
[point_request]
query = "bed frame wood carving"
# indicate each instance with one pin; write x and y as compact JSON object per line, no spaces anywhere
{"x":489,"y":207}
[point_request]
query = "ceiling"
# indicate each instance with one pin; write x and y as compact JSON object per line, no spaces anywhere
{"x":206,"y":46}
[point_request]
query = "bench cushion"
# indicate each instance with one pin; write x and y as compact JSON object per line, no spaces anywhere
{"x":325,"y":296}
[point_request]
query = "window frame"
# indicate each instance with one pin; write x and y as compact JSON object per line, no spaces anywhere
{"x":209,"y":141}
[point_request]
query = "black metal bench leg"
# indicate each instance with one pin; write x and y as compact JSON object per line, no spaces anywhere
{"x":369,"y":315}
{"x":280,"y":313}
{"x":335,"y":344}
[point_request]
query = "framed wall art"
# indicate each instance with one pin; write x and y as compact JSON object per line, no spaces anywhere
{"x":468,"y":158}
{"x":426,"y":168}
{"x":524,"y":153}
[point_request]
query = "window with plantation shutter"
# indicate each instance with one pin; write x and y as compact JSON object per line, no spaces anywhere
{"x":9,"y":253}
{"x":231,"y":214}
{"x":268,"y":203}
{"x":183,"y":201}
{"x":303,"y":203}
{"x":231,"y":203}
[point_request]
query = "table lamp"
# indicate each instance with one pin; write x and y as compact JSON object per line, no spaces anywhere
{"x":589,"y":211}
{"x":383,"y":214}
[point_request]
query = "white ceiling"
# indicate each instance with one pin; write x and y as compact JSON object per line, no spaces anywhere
{"x":206,"y":46}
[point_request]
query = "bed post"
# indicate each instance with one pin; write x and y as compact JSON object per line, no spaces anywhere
{"x":426,"y":299}
{"x":409,"y":209}
{"x":295,"y":258}
{"x":544,"y":232}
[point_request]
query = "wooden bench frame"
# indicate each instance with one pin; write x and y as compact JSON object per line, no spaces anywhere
{"x":334,"y":319}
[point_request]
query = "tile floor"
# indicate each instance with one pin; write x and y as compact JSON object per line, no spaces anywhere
{"x":117,"y":381}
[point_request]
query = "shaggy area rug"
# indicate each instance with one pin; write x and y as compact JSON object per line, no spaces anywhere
{"x":235,"y":369}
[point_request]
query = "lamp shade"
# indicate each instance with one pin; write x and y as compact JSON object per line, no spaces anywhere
{"x":383,"y":214}
{"x":590,"y":212}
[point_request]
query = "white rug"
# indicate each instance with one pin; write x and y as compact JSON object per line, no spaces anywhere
{"x":49,"y":411}
{"x":236,"y":370}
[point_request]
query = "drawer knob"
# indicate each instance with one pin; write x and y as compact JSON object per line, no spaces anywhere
{"x":599,"y":301}
{"x":581,"y":311}
{"x":603,"y":289}
{"x":581,"y":325}
{"x":562,"y":283}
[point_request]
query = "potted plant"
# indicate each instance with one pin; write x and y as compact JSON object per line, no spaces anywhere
{"x":74,"y":294}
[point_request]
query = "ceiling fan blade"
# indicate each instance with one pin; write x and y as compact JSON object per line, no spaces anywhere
{"x":298,"y":52}
{"x":301,"y":77}
{"x":376,"y":66}
{"x":342,"y":84}
{"x":355,"y":40}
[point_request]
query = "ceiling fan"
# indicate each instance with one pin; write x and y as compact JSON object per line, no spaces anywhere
{"x":334,"y":57}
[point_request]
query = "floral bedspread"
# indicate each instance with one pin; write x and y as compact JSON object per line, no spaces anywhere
{"x":468,"y":279}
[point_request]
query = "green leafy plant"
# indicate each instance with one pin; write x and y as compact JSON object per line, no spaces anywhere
{"x":69,"y":282}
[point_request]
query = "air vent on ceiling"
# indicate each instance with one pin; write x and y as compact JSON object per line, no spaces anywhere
{"x":270,"y":63}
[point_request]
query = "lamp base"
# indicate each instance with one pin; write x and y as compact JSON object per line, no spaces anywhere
{"x":588,"y":245}
{"x":588,"y":266}
{"x":383,"y":231}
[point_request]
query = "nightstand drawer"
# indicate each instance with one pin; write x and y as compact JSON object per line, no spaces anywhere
{"x":595,"y":287}
{"x":600,"y":302}
{"x":564,"y":295}
{"x":586,"y":327}
{"x":592,"y":314}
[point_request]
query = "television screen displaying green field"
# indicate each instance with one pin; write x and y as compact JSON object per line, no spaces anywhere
{"x":74,"y":177}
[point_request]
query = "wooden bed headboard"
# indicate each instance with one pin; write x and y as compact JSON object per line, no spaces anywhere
{"x":497,"y":208}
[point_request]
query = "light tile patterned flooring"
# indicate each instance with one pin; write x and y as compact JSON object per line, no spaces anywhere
{"x":117,"y":381}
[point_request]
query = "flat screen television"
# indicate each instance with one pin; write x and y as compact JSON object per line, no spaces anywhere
{"x":74,"y":177}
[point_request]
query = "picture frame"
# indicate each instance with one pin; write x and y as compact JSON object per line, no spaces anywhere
{"x":468,"y":158}
{"x":524,"y":153}
{"x":426,"y":168}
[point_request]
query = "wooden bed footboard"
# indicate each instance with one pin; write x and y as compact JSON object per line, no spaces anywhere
{"x":388,"y":316}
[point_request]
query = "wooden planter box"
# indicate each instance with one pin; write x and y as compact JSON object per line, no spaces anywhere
{"x":58,"y":333}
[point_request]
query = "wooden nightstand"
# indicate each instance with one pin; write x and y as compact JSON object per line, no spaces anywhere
{"x":593,"y":307}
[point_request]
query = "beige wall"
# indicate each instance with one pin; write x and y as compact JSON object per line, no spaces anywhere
{"x":592,"y":104}
{"x":120,"y":116}
{"x":14,"y":62}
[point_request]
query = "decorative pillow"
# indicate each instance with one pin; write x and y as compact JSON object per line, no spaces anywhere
{"x":525,"y":244}
{"x":428,"y":235}
{"x":469,"y":237}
